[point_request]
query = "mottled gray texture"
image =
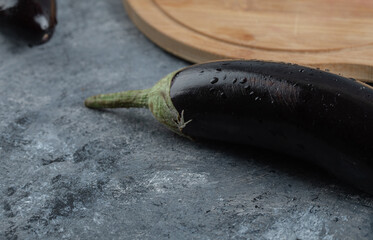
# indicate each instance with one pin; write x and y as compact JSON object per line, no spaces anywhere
{"x":68,"y":172}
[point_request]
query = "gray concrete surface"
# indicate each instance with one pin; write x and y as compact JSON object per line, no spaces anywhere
{"x":68,"y":172}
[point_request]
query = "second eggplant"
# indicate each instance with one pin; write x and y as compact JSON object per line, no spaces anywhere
{"x":32,"y":21}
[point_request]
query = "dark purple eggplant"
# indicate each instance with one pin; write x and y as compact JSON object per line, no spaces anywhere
{"x":306,"y":113}
{"x":32,"y":21}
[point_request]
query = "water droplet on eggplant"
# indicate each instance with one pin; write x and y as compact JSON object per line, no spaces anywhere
{"x":222,"y":95}
{"x":214,"y":80}
{"x":243,"y":81}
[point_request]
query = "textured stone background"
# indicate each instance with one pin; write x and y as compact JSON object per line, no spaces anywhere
{"x":68,"y":172}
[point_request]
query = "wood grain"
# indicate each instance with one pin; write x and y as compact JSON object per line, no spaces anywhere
{"x":329,"y":34}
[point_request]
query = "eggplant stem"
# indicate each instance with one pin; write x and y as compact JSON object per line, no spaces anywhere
{"x":127,"y":99}
{"x":157,"y":99}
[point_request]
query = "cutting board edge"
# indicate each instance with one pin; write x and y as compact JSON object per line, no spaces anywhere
{"x":191,"y":53}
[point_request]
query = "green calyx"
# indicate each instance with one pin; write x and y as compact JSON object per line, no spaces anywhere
{"x":157,"y":99}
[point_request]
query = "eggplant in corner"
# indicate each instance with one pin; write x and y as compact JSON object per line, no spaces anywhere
{"x":31,"y":21}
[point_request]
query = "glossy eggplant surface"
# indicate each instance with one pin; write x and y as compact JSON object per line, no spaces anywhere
{"x":32,"y":21}
{"x":310,"y":114}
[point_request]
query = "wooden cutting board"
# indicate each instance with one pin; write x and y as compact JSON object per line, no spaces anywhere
{"x":329,"y":34}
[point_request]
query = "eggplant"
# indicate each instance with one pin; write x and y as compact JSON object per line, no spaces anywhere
{"x":310,"y":114}
{"x":32,"y":21}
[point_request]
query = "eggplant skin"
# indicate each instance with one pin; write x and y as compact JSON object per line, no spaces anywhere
{"x":307,"y":113}
{"x":32,"y":21}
